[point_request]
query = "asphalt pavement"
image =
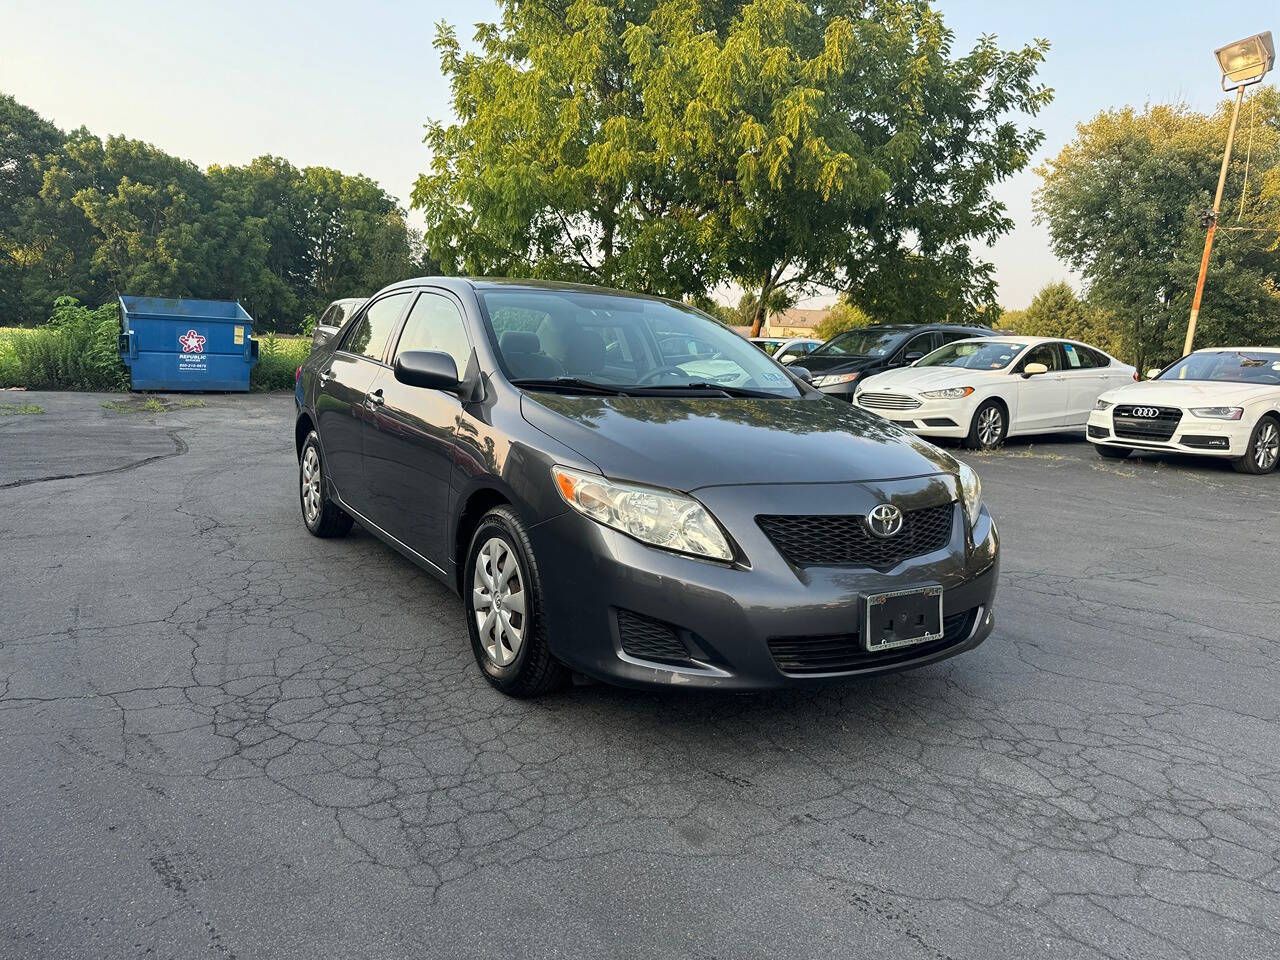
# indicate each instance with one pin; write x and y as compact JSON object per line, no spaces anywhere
{"x":220,"y":737}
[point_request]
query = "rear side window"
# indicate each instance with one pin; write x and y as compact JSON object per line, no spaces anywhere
{"x":368,"y":337}
{"x":1100,"y":359}
{"x":1079,"y":358}
{"x":435,"y":323}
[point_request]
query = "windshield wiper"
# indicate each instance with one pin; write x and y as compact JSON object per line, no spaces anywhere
{"x":571,"y":385}
{"x":703,"y":386}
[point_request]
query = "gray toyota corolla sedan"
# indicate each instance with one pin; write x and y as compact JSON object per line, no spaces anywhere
{"x":619,"y":486}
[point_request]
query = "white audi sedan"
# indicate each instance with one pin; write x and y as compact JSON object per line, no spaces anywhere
{"x":1222,"y":402}
{"x":983,"y":390}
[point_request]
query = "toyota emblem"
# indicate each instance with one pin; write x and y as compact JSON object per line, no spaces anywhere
{"x":1148,"y":413}
{"x":884,"y":520}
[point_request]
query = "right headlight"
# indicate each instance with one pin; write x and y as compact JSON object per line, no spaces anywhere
{"x":832,"y":379}
{"x":1101,"y":405}
{"x":661,"y":518}
{"x":970,"y":491}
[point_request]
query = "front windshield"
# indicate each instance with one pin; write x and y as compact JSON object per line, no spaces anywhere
{"x":622,"y":343}
{"x":860,"y":343}
{"x":1229,"y":366}
{"x":983,"y":354}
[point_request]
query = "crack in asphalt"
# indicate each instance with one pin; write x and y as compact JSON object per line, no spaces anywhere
{"x":179,"y":448}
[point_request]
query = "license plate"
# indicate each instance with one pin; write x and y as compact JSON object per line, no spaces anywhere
{"x":903,"y":618}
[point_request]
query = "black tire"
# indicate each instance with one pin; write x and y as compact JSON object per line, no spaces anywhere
{"x":321,"y":516}
{"x":532,"y":671}
{"x":1263,"y":452}
{"x":1111,"y":453}
{"x":980,"y":436}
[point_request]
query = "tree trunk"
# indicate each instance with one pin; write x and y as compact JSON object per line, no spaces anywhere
{"x":757,"y":319}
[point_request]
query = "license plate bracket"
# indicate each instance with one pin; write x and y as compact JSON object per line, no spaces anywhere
{"x":902,"y":618}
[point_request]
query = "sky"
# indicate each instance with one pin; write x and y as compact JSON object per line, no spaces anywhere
{"x":350,"y":85}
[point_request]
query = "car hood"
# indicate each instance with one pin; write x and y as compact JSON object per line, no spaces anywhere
{"x":915,"y":379}
{"x":821,"y":364}
{"x":1190,"y":393}
{"x":684,"y":443}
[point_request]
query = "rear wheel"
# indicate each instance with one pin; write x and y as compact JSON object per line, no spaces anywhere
{"x":323,"y":517}
{"x":1111,"y":453}
{"x":1263,"y":451}
{"x":503,"y":595}
{"x":989,"y":427}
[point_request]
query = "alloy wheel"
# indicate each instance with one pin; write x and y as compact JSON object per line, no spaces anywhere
{"x":1267,"y":447}
{"x":498,"y":601}
{"x":311,"y":499}
{"x":990,"y":425}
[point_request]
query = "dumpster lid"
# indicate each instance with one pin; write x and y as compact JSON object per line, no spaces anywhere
{"x":183,"y":308}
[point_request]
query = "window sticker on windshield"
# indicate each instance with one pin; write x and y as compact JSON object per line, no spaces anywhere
{"x":774,"y":377}
{"x":1276,"y":365}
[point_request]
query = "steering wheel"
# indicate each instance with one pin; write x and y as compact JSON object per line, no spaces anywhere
{"x":661,"y":371}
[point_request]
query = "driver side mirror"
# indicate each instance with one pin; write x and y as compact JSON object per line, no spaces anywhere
{"x":1033,"y":370}
{"x":802,"y":372}
{"x":1153,"y":373}
{"x":431,"y":369}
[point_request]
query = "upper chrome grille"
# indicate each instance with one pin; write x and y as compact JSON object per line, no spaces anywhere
{"x":887,"y":401}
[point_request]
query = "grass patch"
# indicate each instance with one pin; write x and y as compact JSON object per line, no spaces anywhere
{"x":20,"y":409}
{"x":151,"y":404}
{"x":278,"y":361}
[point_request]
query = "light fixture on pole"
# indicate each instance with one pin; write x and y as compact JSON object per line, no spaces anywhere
{"x":1243,"y":64}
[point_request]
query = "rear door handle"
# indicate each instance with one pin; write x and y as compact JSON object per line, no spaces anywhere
{"x":325,"y":377}
{"x":376,"y":398}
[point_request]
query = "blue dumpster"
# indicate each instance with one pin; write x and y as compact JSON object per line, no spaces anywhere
{"x":171,"y":343}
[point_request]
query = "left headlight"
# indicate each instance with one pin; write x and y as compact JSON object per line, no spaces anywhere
{"x":662,"y":518}
{"x":1218,"y":413}
{"x":970,"y":491}
{"x":951,"y":393}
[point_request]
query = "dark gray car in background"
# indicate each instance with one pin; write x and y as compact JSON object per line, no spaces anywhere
{"x":619,"y":486}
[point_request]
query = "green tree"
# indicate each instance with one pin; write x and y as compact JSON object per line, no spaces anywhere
{"x":1123,"y":203}
{"x":1056,"y":311}
{"x":786,"y":145}
{"x":843,"y":316}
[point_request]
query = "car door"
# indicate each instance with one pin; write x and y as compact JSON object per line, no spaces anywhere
{"x":342,"y":390}
{"x":1084,"y":382}
{"x":1043,"y":398}
{"x":410,"y":440}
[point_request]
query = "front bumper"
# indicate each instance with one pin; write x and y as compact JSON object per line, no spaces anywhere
{"x":931,"y":418}
{"x":1193,"y":435}
{"x":727,"y":614}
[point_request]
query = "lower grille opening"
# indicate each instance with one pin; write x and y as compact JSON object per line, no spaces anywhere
{"x":939,"y":422}
{"x":843,"y":653}
{"x":646,"y":638}
{"x":1205,"y":442}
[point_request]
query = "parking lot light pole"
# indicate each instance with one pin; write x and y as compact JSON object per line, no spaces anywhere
{"x":1243,"y":63}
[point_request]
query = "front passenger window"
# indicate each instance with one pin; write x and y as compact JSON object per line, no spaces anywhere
{"x":435,"y":323}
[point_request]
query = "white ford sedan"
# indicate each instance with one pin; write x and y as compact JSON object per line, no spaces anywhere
{"x":1223,"y":402}
{"x":985,"y":389}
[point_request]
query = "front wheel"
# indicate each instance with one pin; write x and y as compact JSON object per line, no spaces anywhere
{"x":989,"y":427}
{"x":503,"y":595}
{"x":1263,"y":451}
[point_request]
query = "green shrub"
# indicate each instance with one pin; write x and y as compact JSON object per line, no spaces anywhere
{"x":75,"y":350}
{"x":278,"y":362}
